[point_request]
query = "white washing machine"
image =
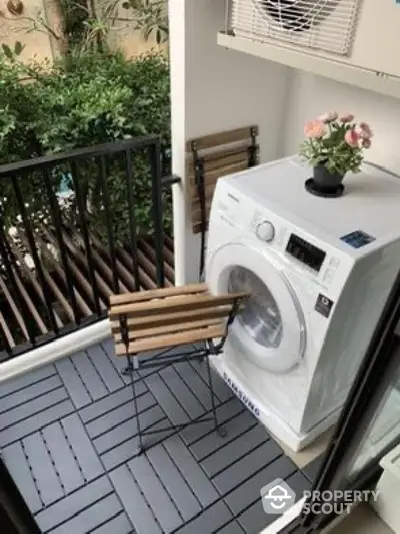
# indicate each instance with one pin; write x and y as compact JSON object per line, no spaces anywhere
{"x":319,"y":271}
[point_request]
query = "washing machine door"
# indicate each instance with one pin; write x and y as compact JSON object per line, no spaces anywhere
{"x":270,"y":329}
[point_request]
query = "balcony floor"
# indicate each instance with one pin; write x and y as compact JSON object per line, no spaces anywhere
{"x":68,"y":437}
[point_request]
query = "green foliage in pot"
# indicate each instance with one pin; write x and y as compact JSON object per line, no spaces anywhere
{"x":82,"y":101}
{"x":336,"y":141}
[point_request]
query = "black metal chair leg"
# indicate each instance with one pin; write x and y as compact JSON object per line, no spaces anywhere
{"x":219,"y":429}
{"x":135,"y":403}
{"x":127,"y":371}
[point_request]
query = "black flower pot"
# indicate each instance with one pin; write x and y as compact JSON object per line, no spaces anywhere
{"x":325,"y":183}
{"x":324,"y":180}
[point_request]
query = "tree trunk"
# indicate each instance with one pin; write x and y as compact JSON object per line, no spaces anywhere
{"x":54,"y":14}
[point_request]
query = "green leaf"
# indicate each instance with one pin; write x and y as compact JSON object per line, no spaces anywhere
{"x":18,"y":48}
{"x":7,"y":51}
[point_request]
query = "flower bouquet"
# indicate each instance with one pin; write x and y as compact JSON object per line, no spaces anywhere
{"x":334,"y":145}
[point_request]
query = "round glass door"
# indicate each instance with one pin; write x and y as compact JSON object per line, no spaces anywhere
{"x":261,"y":316}
{"x":270,"y":329}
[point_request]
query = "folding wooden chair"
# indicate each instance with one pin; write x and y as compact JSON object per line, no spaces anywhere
{"x":170,"y":317}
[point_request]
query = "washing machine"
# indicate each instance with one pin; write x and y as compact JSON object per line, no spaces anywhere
{"x":318,"y":272}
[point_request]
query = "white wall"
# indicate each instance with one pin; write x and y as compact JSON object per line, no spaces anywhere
{"x":215,"y":89}
{"x":311,"y":95}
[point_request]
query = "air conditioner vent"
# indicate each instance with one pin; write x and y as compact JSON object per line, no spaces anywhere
{"x":327,"y":25}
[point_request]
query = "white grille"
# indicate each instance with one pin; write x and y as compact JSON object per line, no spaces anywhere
{"x":327,"y":25}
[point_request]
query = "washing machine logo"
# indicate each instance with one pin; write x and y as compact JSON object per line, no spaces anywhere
{"x":239,"y":393}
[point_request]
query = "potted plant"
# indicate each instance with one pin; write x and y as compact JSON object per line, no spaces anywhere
{"x":334,"y":146}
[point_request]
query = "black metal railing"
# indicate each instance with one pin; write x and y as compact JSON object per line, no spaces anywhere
{"x":75,"y":228}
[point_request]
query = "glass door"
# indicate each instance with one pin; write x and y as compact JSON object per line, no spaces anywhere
{"x":271,"y":327}
{"x":369,"y":427}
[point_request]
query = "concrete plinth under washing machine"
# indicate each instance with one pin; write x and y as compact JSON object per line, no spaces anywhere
{"x":319,"y":271}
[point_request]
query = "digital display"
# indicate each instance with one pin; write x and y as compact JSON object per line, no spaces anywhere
{"x":357,"y":239}
{"x":305,"y":252}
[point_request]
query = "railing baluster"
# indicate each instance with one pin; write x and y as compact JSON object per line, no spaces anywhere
{"x":132,"y":220}
{"x":110,"y":233}
{"x":33,"y":251}
{"x":57,"y":223}
{"x":11,"y":277}
{"x":155,"y":162}
{"x":85,"y":234}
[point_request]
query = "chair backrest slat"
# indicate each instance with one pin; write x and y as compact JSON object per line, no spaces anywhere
{"x":220,"y":154}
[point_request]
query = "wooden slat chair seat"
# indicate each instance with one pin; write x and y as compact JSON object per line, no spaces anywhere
{"x":158,"y":319}
{"x":169,"y":317}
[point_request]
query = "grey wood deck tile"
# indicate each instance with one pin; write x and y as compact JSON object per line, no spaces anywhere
{"x":118,"y":525}
{"x":73,"y":383}
{"x":92,"y":380}
{"x":249,"y":491}
{"x":63,"y":457}
{"x":234,"y":450}
{"x":134,"y":502}
{"x":111,"y":378}
{"x":191,"y":471}
{"x":27,"y":379}
{"x":209,"y":521}
{"x":221,"y":389}
{"x":29,"y":393}
{"x":119,"y":415}
{"x":16,"y":463}
{"x":155,"y":494}
{"x":89,"y":518}
{"x":46,"y":478}
{"x":232,"y":528}
{"x":110,"y":402}
{"x":254,"y":520}
{"x":246,"y":466}
{"x":177,"y":487}
{"x":195,"y":383}
{"x":164,"y":490}
{"x":82,"y":446}
{"x":127,"y":429}
{"x":39,"y":420}
{"x":122,"y":452}
{"x":225,"y":412}
{"x":31,"y":408}
{"x":212,"y":442}
{"x":70,"y":506}
{"x":185,"y":397}
{"x":167,"y":400}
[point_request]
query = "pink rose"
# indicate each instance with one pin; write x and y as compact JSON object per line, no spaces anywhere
{"x":348,"y":117}
{"x":328,"y":116}
{"x":365,"y":130}
{"x":366,"y":143}
{"x":314,"y":129}
{"x":352,"y":138}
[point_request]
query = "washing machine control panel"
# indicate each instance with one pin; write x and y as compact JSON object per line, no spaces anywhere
{"x":320,"y":263}
{"x":265,"y":231}
{"x":305,"y":252}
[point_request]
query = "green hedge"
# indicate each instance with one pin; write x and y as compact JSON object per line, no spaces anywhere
{"x":82,"y":101}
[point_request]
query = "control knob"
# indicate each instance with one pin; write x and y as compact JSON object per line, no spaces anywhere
{"x":265,"y":231}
